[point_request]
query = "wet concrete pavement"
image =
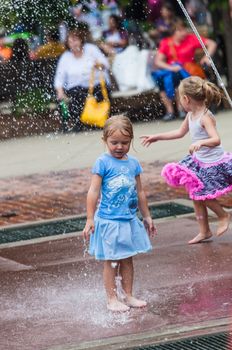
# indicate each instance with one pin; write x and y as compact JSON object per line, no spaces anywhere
{"x":52,"y":295}
{"x":51,"y":291}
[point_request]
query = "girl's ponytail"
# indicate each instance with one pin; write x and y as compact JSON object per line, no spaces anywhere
{"x":212,"y":93}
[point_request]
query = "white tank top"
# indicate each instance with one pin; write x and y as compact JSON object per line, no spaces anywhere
{"x":197,"y":132}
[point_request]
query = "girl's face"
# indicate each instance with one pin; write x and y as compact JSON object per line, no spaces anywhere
{"x":118,"y":144}
{"x":184,"y":101}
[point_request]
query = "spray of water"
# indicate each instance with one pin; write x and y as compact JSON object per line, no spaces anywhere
{"x":221,"y":84}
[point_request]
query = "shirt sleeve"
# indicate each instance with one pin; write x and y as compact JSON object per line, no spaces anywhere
{"x":195,"y":42}
{"x":59,"y":80}
{"x":99,"y":167}
{"x":100,"y":57}
{"x":138,"y":168}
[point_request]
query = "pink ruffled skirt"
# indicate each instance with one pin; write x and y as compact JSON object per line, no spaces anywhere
{"x":201,"y":180}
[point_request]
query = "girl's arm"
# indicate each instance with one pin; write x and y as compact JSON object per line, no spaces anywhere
{"x":214,"y":139}
{"x":170,"y":135}
{"x":143,"y":207}
{"x":92,"y":198}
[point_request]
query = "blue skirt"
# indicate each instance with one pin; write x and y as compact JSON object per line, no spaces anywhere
{"x":118,"y":239}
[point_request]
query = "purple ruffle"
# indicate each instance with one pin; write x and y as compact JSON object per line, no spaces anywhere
{"x":201,"y":180}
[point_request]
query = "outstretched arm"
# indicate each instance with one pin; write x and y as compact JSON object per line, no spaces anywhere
{"x":92,"y":198}
{"x":143,"y":207}
{"x":170,"y":135}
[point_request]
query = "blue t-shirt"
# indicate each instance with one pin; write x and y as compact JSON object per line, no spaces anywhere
{"x":119,"y":198}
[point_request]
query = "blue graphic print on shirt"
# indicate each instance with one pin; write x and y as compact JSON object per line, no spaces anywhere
{"x":119,"y":198}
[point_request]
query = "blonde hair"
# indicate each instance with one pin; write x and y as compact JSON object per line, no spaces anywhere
{"x":118,"y":122}
{"x":200,"y":90}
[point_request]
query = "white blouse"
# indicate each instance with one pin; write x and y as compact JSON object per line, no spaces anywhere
{"x":72,"y":71}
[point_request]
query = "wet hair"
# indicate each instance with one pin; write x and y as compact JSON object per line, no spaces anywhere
{"x":201,"y":90}
{"x":118,"y":122}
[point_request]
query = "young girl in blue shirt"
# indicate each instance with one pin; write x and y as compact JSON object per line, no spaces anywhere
{"x":116,"y":233}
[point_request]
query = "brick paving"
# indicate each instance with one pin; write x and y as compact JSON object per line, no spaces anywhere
{"x":58,"y":194}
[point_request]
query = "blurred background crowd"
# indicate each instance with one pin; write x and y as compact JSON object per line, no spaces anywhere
{"x":139,"y":45}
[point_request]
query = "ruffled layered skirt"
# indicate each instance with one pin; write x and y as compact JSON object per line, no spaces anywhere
{"x":201,"y":180}
{"x":118,"y":239}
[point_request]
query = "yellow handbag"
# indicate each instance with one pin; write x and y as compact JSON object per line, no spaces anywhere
{"x":96,"y":113}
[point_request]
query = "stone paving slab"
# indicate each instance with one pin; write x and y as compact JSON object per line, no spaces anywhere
{"x":60,"y":194}
{"x":52,"y":295}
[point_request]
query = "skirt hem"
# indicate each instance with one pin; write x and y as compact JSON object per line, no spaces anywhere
{"x":121,"y":258}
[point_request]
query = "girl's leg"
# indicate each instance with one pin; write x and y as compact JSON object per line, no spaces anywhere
{"x":109,"y":275}
{"x":202,"y":219}
{"x":223,"y":216}
{"x":127,"y":272}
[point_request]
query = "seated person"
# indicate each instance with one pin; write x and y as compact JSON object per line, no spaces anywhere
{"x":163,"y":26}
{"x":52,"y":49}
{"x":172,"y":59}
{"x":115,"y":39}
{"x":74,"y":71}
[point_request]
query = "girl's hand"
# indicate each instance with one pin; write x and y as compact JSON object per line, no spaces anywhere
{"x":89,"y":228}
{"x":194,"y":147}
{"x":148,"y":139}
{"x":149,"y":226}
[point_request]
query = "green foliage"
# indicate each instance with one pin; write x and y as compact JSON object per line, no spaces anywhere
{"x":218,"y":4}
{"x":45,"y":13}
{"x":31,"y":102}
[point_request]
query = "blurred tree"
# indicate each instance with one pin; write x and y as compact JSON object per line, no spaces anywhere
{"x":222,"y":23}
{"x":31,"y":13}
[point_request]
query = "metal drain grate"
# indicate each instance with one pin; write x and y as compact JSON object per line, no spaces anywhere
{"x":15,"y":234}
{"x":220,"y":341}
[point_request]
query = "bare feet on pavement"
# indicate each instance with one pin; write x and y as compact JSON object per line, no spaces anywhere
{"x":201,"y":237}
{"x":223,"y":225}
{"x":134,"y":302}
{"x":116,"y":306}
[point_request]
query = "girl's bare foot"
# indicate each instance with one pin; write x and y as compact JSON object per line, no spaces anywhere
{"x":200,"y":237}
{"x":116,"y":306}
{"x":134,"y":302}
{"x":223,"y":225}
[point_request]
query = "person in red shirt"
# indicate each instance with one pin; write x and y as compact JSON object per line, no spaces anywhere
{"x":173,"y":54}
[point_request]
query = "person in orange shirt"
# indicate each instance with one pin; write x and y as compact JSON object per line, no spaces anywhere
{"x":5,"y":52}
